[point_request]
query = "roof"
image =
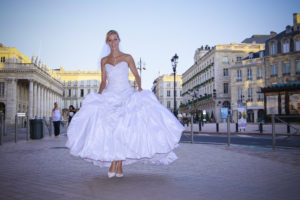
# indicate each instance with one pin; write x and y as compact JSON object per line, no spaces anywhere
{"x":260,"y":39}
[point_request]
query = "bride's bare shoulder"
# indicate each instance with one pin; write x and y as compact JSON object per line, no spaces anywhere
{"x":127,"y":57}
{"x":104,"y":60}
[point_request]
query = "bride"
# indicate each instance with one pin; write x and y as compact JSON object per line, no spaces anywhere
{"x":119,"y":125}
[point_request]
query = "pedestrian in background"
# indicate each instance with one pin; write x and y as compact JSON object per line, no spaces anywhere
{"x":71,"y":113}
{"x":56,"y":118}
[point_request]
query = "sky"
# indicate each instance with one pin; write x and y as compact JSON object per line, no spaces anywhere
{"x":71,"y":33}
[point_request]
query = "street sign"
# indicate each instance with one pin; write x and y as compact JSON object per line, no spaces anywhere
{"x":224,"y":113}
{"x":21,"y":114}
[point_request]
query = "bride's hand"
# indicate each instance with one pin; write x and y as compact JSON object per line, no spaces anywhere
{"x":140,"y":89}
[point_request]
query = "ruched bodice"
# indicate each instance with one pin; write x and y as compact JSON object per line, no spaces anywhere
{"x":117,"y":76}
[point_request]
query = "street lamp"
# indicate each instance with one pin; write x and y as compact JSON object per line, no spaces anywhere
{"x":174,"y":65}
{"x":140,"y":68}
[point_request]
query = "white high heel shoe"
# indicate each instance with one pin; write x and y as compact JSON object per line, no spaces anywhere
{"x":119,"y":175}
{"x":111,"y":174}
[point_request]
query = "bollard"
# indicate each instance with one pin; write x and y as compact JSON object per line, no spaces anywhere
{"x":236,"y":127}
{"x":27,"y":127}
{"x":192,"y":129}
{"x":217,"y":127}
{"x":273,"y":132}
{"x":228,"y":131}
{"x":200,"y":126}
{"x":16,"y":127}
{"x":288,"y":128}
{"x":260,"y":127}
{"x":50,"y":126}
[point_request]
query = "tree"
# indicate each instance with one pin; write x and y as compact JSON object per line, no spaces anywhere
{"x":207,"y":117}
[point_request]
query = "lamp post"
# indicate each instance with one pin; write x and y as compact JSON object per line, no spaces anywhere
{"x":174,"y":65}
{"x":140,"y":68}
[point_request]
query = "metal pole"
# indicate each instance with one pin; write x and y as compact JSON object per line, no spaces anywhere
{"x":2,"y":121}
{"x":228,"y":131}
{"x":27,"y":127}
{"x":273,"y":132}
{"x":16,"y":126}
{"x":192,"y":131}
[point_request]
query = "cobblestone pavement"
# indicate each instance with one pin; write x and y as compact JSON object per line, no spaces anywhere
{"x":44,"y":169}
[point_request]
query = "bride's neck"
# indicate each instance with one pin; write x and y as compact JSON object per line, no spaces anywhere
{"x":115,"y":53}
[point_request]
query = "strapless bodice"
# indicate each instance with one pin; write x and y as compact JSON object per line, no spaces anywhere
{"x":117,"y":76}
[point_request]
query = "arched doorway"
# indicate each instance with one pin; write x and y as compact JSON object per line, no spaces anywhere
{"x":260,"y":115}
{"x":250,"y":116}
{"x":226,"y":104}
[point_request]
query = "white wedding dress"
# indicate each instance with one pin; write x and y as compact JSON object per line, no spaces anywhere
{"x":123,"y":124}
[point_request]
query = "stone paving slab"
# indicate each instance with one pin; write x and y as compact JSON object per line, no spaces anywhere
{"x":44,"y":169}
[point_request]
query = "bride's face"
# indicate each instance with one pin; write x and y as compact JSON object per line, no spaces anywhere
{"x":113,"y":41}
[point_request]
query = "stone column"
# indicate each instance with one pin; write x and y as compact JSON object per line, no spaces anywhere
{"x":34,"y":98}
{"x":11,"y":101}
{"x":38,"y":113}
{"x":30,"y":99}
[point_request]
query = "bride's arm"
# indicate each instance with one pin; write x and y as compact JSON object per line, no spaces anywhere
{"x":103,"y":77}
{"x":133,"y":69}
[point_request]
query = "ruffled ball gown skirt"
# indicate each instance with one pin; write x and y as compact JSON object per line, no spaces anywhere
{"x":123,"y":124}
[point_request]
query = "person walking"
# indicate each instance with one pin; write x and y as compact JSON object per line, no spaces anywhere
{"x":120,"y":125}
{"x":71,"y":113}
{"x":56,"y":119}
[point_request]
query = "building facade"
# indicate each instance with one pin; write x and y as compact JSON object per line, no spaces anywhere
{"x":26,"y":86}
{"x":206,"y":84}
{"x":247,"y":79}
{"x":282,"y":68}
{"x":163,"y":88}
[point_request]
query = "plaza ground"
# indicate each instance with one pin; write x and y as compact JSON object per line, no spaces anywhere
{"x":44,"y":169}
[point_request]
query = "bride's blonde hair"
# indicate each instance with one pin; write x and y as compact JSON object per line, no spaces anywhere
{"x":111,"y":32}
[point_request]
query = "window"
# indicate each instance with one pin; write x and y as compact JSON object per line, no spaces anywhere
{"x":69,"y":92}
{"x":89,"y":91}
{"x":225,"y":60}
{"x":225,"y":71}
{"x":261,"y":54}
{"x":274,"y":70}
{"x":75,"y":92}
{"x":2,"y":89}
{"x":181,"y":91}
{"x":286,"y":46}
{"x":81,"y":94}
{"x":250,"y":94}
{"x":3,"y":59}
{"x":95,"y":82}
{"x":89,"y":82}
{"x":298,"y":67}
{"x":273,"y":48}
{"x":69,"y":83}
{"x":168,"y":104}
{"x":81,"y":83}
{"x":239,"y":75}
{"x":259,"y":72}
{"x":75,"y":83}
{"x":249,"y":74}
{"x":260,"y":96}
{"x":286,"y":68}
{"x":226,"y":88}
{"x":240,"y":94}
{"x":168,"y":93}
{"x":238,"y":59}
{"x":298,"y":44}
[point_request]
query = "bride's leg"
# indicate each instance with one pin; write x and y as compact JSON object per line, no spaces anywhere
{"x":119,"y":167}
{"x":113,"y":166}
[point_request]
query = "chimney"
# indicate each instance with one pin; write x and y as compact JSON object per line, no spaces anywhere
{"x":296,"y":19}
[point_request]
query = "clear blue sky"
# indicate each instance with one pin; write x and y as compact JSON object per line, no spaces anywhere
{"x":71,"y":33}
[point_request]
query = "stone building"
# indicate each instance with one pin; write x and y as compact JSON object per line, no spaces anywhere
{"x":247,"y":79}
{"x":26,"y":86}
{"x":208,"y":79}
{"x":282,"y":69}
{"x":163,"y":88}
